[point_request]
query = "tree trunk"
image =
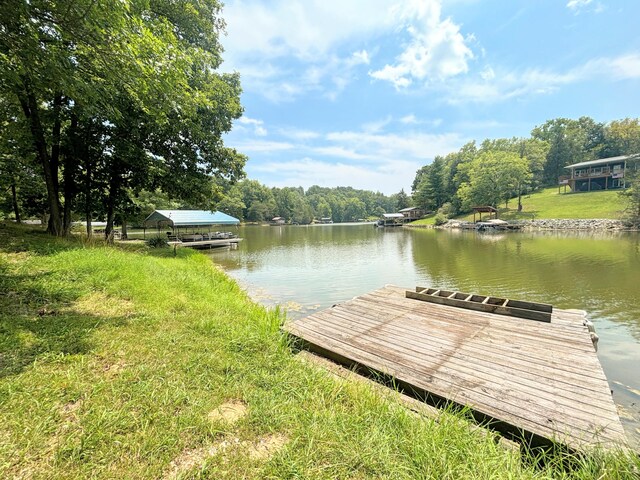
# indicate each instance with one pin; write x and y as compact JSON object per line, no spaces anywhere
{"x":14,"y":201}
{"x":70,"y":158}
{"x":124,"y":228}
{"x":87,"y":196}
{"x":29,"y":105}
{"x":114,"y":187}
{"x":519,"y":201}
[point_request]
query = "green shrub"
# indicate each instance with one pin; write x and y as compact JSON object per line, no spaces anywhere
{"x":447,"y":210}
{"x":157,"y":242}
{"x":441,"y":219}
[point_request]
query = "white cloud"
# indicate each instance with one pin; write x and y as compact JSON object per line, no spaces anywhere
{"x":573,"y":4}
{"x":298,"y":134}
{"x":387,"y":147}
{"x":436,"y":50}
{"x":578,"y":6}
{"x":258,"y":125}
{"x":504,"y":85}
{"x":411,"y":119}
{"x":388,"y":178}
{"x":488,"y":74}
{"x":262,"y":146}
{"x":377,"y":125}
{"x":270,"y":44}
{"x":299,"y":28}
{"x":408,"y":119}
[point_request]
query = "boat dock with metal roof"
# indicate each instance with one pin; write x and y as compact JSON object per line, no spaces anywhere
{"x":534,"y":376}
{"x":193,"y":224}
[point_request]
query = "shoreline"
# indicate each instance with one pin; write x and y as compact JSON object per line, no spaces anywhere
{"x":571,"y":224}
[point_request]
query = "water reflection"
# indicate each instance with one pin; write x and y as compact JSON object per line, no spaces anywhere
{"x":306,"y":268}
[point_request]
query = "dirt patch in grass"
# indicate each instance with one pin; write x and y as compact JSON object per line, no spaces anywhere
{"x":229,"y":412}
{"x":69,"y":409}
{"x":191,"y":458}
{"x":260,"y":449}
{"x":99,"y":304}
{"x":113,"y":369}
{"x":267,"y":446}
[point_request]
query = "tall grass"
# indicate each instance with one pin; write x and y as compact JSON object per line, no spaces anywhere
{"x":112,"y":360}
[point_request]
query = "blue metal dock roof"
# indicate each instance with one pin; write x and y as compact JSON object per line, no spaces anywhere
{"x":188,"y":218}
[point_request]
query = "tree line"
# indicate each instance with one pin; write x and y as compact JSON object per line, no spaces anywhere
{"x":251,"y":201}
{"x":498,"y":170}
{"x":100,"y":101}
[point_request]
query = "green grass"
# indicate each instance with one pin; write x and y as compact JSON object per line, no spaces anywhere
{"x":113,"y":359}
{"x":426,"y":220}
{"x":548,"y":203}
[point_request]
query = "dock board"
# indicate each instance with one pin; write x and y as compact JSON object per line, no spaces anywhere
{"x":543,"y":380}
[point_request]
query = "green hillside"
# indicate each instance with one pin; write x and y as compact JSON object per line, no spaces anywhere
{"x":549,"y":203}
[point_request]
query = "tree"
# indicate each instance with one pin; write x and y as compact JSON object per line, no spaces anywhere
{"x":232,"y":205}
{"x":570,"y":141}
{"x":623,"y":137}
{"x":145,"y":70}
{"x":494,"y":177}
{"x":631,"y":195}
{"x":402,"y":200}
{"x":430,"y":192}
{"x":354,"y":210}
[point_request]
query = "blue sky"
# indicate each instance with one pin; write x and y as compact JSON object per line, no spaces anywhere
{"x":362,"y":93}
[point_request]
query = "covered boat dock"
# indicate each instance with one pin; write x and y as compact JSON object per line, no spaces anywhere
{"x":193,"y":228}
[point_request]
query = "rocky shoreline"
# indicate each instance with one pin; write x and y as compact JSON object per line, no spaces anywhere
{"x":591,"y":224}
{"x":578,"y":224}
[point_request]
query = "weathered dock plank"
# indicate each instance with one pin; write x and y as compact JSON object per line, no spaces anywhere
{"x":541,"y":378}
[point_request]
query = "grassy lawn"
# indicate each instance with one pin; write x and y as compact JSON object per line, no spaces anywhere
{"x":549,"y":204}
{"x":129,"y":363}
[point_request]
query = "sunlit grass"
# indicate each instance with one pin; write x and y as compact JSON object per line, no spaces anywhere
{"x":112,"y":359}
{"x":548,"y":203}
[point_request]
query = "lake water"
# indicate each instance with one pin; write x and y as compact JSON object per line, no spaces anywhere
{"x":305,"y":268}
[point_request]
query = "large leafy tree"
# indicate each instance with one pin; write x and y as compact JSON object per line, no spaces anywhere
{"x":623,"y":137}
{"x":142,"y":69}
{"x":494,"y":176}
{"x":570,"y":141}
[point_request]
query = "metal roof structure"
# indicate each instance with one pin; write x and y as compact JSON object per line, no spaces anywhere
{"x":484,"y":209}
{"x":604,"y":161}
{"x":392,"y":215}
{"x":190,"y":218}
{"x":408,"y":209}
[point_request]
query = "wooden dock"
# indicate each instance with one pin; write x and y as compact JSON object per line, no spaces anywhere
{"x":541,"y":381}
{"x":203,"y":244}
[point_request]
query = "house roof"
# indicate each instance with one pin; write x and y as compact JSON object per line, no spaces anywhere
{"x":408,"y":209}
{"x":392,"y":215}
{"x":604,"y":161}
{"x":188,"y":218}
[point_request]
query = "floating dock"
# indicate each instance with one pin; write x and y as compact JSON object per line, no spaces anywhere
{"x":203,"y":244}
{"x":541,"y":381}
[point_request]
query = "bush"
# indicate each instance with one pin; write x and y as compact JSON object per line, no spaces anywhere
{"x":447,"y":210}
{"x":441,"y":219}
{"x":157,"y":242}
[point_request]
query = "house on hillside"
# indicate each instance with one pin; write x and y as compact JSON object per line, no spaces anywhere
{"x":602,"y":174}
{"x":412,"y":213}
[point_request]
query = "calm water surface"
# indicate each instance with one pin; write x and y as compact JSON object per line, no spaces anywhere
{"x":305,"y":268}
